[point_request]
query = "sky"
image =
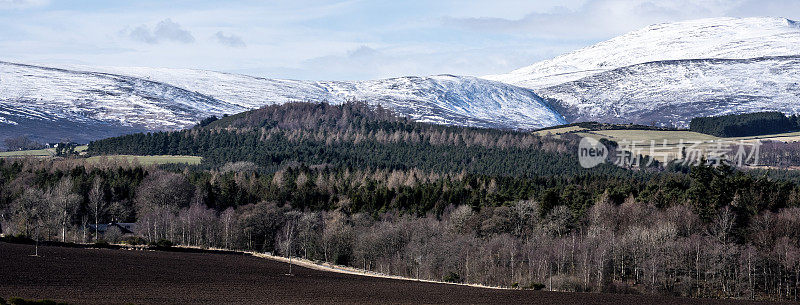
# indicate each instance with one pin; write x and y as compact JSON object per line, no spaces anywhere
{"x":336,"y":40}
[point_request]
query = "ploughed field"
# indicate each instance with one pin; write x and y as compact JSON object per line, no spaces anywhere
{"x":108,"y":276}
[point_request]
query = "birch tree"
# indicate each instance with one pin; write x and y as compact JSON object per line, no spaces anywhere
{"x":97,"y":203}
{"x":63,"y":201}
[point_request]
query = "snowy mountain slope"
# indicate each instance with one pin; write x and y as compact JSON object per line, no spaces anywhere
{"x":54,"y":104}
{"x":49,"y":93}
{"x":729,"y":38}
{"x":668,"y":73}
{"x":133,"y":99}
{"x":672,"y":92}
{"x":442,"y":99}
{"x":452,"y":100}
{"x":242,"y":90}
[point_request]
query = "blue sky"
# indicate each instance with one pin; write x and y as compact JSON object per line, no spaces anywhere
{"x":336,"y":40}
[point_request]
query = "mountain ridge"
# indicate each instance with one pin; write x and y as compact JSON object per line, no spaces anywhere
{"x":723,"y":37}
{"x":748,"y":69}
{"x":142,"y":99}
{"x":663,"y":74}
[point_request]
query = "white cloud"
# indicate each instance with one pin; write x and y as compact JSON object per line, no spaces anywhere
{"x":142,"y":33}
{"x":364,"y":62}
{"x":602,"y":19}
{"x":166,"y":30}
{"x":22,"y":4}
{"x":230,"y":40}
{"x":346,"y":39}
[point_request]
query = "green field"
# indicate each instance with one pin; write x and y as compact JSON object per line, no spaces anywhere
{"x":558,"y":131}
{"x":144,"y":160}
{"x":28,"y":153}
{"x":672,"y":137}
{"x":150,"y":160}
{"x":47,"y":152}
{"x":666,"y":142}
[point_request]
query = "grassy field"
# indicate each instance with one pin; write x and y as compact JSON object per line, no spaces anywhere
{"x":37,"y":152}
{"x":651,"y":135}
{"x":667,"y":144}
{"x":28,"y":153}
{"x":144,"y":160}
{"x":150,"y":160}
{"x":676,"y":136}
{"x":559,"y":131}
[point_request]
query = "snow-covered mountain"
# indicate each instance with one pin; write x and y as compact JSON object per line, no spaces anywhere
{"x":672,"y":92}
{"x":85,"y":104}
{"x":663,"y":74}
{"x":440,"y":99}
{"x":669,"y":73}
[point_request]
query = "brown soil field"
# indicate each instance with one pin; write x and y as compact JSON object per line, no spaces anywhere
{"x":109,"y":276}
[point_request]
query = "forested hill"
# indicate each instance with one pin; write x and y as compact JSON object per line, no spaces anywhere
{"x":354,"y":135}
{"x":360,"y":187}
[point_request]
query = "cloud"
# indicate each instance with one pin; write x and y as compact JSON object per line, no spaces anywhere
{"x":362,"y":52}
{"x":169,"y":30}
{"x":142,"y":33}
{"x":306,"y":39}
{"x":365,"y":62}
{"x":600,"y":19}
{"x":230,"y":40}
{"x":22,"y":4}
{"x":166,"y":30}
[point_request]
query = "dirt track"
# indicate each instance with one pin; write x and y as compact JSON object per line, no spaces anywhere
{"x":104,"y":276}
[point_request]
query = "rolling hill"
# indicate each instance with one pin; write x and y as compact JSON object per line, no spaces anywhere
{"x":665,"y":74}
{"x":80,"y":104}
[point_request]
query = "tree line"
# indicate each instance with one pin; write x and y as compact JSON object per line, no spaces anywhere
{"x":709,"y":232}
{"x":743,"y":125}
{"x":21,"y":142}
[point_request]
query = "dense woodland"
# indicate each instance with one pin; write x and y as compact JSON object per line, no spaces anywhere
{"x":335,"y":183}
{"x":354,"y":135}
{"x":743,"y":125}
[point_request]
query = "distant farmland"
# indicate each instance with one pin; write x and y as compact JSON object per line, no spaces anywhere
{"x":150,"y":160}
{"x":143,"y":160}
{"x":663,"y":141}
{"x":47,"y":152}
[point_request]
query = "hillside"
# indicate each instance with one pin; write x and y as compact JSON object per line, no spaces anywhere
{"x":670,"y":93}
{"x":354,"y":135}
{"x":440,"y":99}
{"x":83,"y":104}
{"x":355,"y":185}
{"x":729,"y":38}
{"x":668,"y":73}
{"x":52,"y":104}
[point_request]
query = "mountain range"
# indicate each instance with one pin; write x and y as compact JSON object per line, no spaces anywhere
{"x":664,"y":74}
{"x":51,"y":104}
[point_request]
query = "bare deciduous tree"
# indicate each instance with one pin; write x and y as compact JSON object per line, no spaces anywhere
{"x":97,"y":203}
{"x":288,"y":235}
{"x":63,"y":202}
